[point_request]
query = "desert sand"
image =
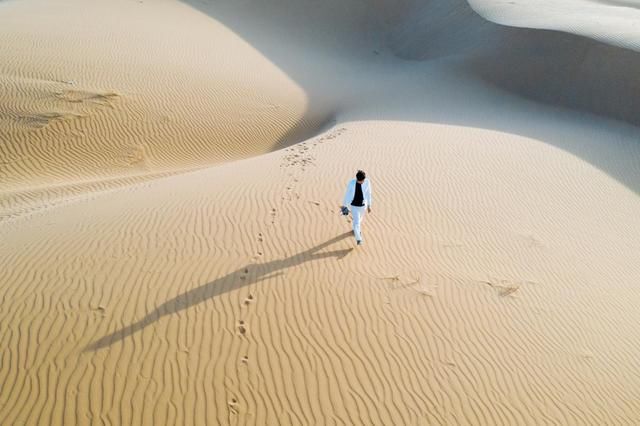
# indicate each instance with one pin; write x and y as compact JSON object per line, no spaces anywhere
{"x":171,"y":248}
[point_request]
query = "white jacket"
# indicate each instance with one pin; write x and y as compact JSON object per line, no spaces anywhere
{"x":351,"y":192}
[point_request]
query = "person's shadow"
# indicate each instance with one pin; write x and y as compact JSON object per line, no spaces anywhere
{"x":239,"y":278}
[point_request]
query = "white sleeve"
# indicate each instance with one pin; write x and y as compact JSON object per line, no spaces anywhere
{"x":346,"y":201}
{"x":369,"y":195}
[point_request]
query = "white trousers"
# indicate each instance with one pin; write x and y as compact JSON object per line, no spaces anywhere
{"x":357,"y":214}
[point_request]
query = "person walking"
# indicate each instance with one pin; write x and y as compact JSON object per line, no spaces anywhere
{"x":357,"y":197}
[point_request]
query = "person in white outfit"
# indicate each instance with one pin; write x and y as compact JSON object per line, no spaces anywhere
{"x":357,"y":198}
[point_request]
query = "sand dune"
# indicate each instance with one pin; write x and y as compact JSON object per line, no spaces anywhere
{"x":559,"y":68}
{"x":609,"y":21}
{"x":170,"y":245}
{"x":132,"y":100}
{"x":243,"y":305}
{"x":70,"y":125}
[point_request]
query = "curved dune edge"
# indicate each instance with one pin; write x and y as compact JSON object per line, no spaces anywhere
{"x":126,"y":115}
{"x":609,"y":21}
{"x":133,"y":100}
{"x":586,"y":68}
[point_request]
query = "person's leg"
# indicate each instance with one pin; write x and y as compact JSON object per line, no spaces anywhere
{"x":357,"y":213}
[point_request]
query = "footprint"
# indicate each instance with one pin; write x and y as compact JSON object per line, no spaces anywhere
{"x":100,"y":310}
{"x":248,"y":300}
{"x":241,"y":328}
{"x":233,"y":405}
{"x":245,"y":360}
{"x":508,"y":290}
{"x":504,"y":287}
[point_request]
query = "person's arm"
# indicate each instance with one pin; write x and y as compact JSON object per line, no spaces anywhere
{"x":368,"y":195}
{"x":345,"y":200}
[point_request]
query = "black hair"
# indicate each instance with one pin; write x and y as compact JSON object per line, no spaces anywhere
{"x":360,"y":175}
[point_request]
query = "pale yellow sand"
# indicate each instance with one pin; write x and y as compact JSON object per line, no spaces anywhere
{"x":208,"y":278}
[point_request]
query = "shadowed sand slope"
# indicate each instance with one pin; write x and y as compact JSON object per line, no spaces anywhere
{"x":185,"y":92}
{"x":170,"y":244}
{"x":145,"y":89}
{"x":559,"y":68}
{"x":442,"y":38}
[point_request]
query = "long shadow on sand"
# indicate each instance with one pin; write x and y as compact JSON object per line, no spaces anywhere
{"x":215,"y":288}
